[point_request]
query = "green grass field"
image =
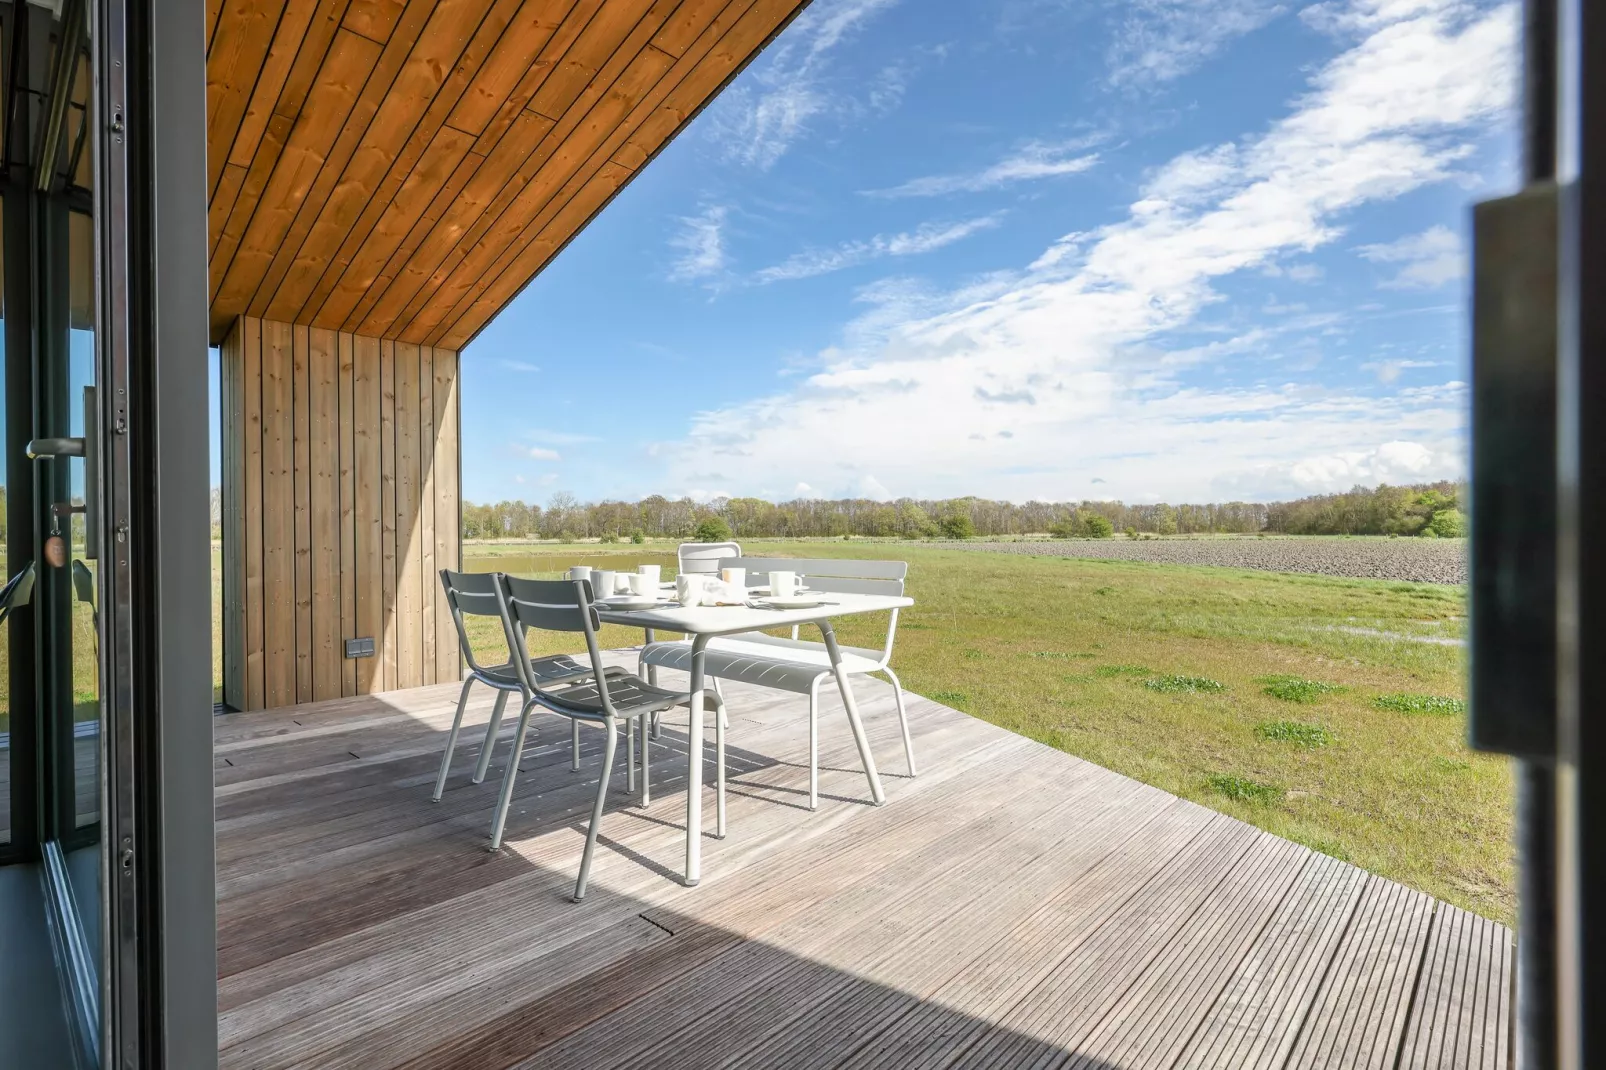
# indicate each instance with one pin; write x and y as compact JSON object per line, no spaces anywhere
{"x":1310,"y":706}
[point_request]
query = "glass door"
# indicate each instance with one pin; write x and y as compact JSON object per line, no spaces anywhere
{"x":51,"y":714}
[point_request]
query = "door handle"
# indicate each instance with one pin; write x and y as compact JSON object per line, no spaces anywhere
{"x":55,"y":447}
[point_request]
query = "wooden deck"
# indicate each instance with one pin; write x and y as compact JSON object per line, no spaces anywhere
{"x":1013,"y":906}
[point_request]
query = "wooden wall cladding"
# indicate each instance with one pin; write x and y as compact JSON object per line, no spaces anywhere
{"x":340,"y":504}
{"x":402,"y":168}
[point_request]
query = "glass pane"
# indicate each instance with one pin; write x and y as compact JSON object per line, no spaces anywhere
{"x":85,"y":649}
{"x":5,"y":627}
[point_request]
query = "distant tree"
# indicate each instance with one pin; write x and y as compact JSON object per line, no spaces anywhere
{"x":1447,"y":524}
{"x":638,"y":537}
{"x":957,"y":525}
{"x":712,"y":529}
{"x":1099,"y":527}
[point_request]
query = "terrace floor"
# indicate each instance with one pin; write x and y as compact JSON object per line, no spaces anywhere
{"x":1012,"y":906}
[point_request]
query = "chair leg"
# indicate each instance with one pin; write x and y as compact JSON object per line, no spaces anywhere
{"x":484,"y":764}
{"x":451,"y":740}
{"x":719,"y":767}
{"x":903,"y":721}
{"x":506,"y":799}
{"x":596,"y":812}
{"x":630,"y":757}
{"x":814,"y":743}
{"x":574,"y":746}
{"x":646,"y":764}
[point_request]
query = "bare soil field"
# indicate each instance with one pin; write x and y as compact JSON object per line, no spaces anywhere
{"x":1368,"y":557}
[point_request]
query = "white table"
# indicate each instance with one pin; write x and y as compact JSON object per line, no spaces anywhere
{"x":703,"y":623}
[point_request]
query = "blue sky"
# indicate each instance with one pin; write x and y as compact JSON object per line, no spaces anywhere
{"x":1057,"y":249}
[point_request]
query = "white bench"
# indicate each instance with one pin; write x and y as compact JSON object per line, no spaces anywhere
{"x":795,"y":664}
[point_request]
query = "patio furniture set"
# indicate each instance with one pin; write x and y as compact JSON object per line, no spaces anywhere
{"x":725,"y":639}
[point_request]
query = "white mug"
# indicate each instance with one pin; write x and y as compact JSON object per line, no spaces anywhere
{"x":601,"y":583}
{"x":654,"y":574}
{"x":689,"y":589}
{"x":783,"y":584}
{"x":642,"y":585}
{"x":580,"y":572}
{"x":735,"y":577}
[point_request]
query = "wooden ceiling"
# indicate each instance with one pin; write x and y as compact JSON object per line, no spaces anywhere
{"x":402,"y":168}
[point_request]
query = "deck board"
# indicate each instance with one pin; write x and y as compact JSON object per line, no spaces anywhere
{"x":1013,"y":906}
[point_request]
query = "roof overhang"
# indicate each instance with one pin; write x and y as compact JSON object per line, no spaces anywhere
{"x":403,"y":169}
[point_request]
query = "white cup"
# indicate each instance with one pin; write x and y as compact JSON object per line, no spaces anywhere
{"x":689,"y":589}
{"x":602,"y":583}
{"x":735,"y":578}
{"x":642,"y":585}
{"x":654,"y":574}
{"x":580,"y":572}
{"x":783,"y":584}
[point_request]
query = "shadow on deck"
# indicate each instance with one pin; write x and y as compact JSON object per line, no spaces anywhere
{"x":1013,"y":906}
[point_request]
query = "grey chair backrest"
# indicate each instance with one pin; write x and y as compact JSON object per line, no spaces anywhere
{"x":703,"y":558}
{"x":554,"y":606}
{"x":470,"y":594}
{"x":827,"y":574}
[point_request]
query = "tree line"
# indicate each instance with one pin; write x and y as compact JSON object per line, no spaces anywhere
{"x":1427,"y":509}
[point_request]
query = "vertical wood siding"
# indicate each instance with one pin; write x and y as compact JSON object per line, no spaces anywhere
{"x":340,"y":505}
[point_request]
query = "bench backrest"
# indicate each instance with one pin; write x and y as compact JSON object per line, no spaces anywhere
{"x":827,"y":574}
{"x":834,"y":575}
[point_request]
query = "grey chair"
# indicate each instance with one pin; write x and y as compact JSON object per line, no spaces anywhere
{"x":703,"y":558}
{"x":473,"y":594}
{"x":609,"y":699}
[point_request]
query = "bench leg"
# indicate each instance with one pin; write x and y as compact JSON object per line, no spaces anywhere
{"x":814,"y":743}
{"x":484,"y":764}
{"x":903,"y":721}
{"x":719,"y":767}
{"x":451,"y":740}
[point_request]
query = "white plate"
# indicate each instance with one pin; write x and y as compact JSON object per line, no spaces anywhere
{"x":629,"y":601}
{"x":792,"y":603}
{"x":763,"y":590}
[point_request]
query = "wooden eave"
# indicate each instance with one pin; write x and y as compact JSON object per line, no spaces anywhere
{"x":402,"y":168}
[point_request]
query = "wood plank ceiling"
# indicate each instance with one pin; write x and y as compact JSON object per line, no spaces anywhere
{"x":402,"y":168}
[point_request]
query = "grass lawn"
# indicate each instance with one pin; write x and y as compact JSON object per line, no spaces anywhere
{"x":1294,"y":702}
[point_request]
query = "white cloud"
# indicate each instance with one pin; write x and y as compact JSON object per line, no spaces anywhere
{"x":519,"y":365}
{"x":923,"y":239}
{"x":1161,"y":40}
{"x":1388,"y":371}
{"x":1083,"y":331}
{"x":1035,"y":160}
{"x":1430,"y":259}
{"x":701,"y":242}
{"x":758,"y":122}
{"x":541,"y":453}
{"x":559,"y":438}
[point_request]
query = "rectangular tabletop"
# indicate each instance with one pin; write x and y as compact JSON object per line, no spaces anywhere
{"x":726,"y":620}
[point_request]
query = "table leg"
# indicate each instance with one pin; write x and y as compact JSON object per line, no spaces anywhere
{"x":694,"y":766}
{"x":865,"y":757}
{"x":652,"y":670}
